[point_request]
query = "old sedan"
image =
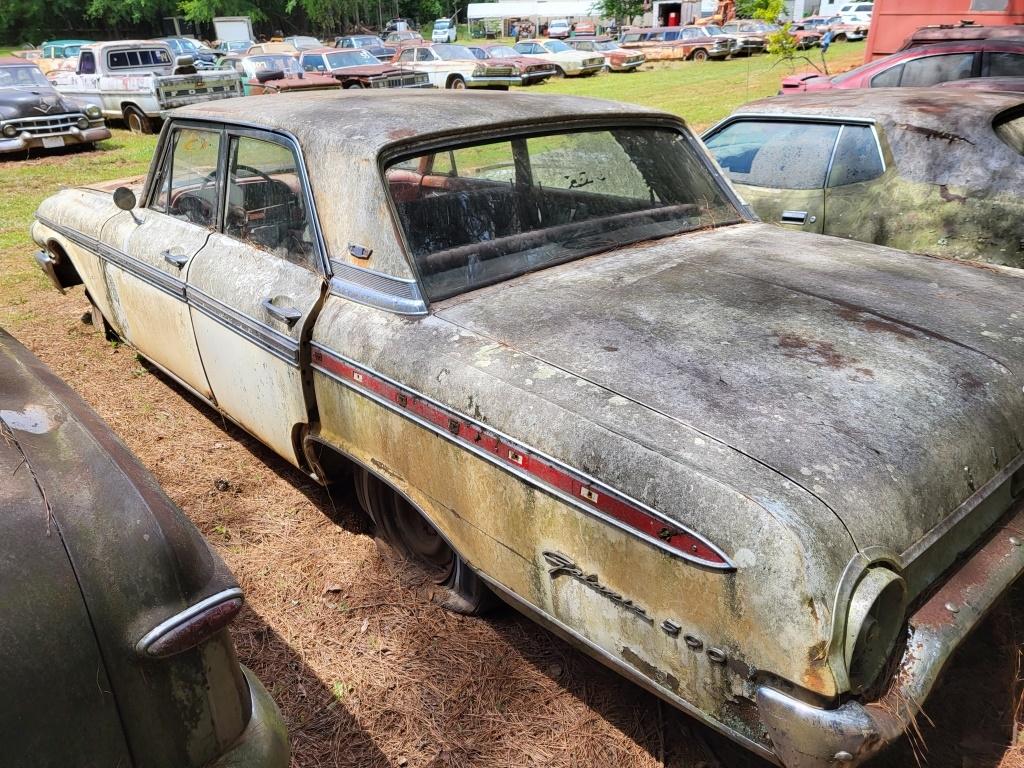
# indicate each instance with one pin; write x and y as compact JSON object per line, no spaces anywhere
{"x":358,"y":68}
{"x":616,"y":58}
{"x":530,"y":71}
{"x":115,"y":649}
{"x":564,"y":364}
{"x":921,"y":67}
{"x":276,"y":73}
{"x":455,"y":66}
{"x":33,"y":115}
{"x":936,"y":171}
{"x":568,"y":62}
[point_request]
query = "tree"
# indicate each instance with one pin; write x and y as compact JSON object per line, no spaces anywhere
{"x":620,"y":10}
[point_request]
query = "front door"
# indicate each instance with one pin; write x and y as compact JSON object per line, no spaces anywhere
{"x":152,"y":248}
{"x":255,"y":288}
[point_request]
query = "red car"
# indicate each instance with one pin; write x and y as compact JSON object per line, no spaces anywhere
{"x":921,"y":67}
{"x":530,"y":70}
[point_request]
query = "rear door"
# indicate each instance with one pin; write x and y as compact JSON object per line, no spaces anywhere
{"x":779,"y":166}
{"x":151,"y":250}
{"x":255,"y":288}
{"x":859,"y":202}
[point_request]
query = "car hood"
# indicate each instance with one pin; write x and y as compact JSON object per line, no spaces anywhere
{"x":884,"y":384}
{"x":17,"y":103}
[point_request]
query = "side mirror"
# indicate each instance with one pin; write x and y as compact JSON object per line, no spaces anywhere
{"x":124,"y":198}
{"x":184,"y":60}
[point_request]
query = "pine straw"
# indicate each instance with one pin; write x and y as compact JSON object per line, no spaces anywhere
{"x":369,"y":672}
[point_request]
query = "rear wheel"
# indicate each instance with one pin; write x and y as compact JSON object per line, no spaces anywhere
{"x":137,"y":120}
{"x":457,"y":83}
{"x":402,"y":527}
{"x":699,"y":55}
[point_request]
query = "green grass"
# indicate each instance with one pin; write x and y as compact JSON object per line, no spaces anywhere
{"x":702,"y":94}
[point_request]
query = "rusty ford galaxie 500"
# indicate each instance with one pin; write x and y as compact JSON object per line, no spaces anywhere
{"x":771,"y":476}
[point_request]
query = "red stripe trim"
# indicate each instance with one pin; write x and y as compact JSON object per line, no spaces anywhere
{"x":517,"y":456}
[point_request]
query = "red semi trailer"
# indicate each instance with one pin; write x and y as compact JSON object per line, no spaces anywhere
{"x":893,"y":21}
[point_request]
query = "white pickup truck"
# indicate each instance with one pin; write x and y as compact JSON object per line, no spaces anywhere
{"x":139,"y":80}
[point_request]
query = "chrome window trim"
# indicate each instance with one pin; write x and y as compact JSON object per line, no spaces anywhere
{"x":377,"y":289}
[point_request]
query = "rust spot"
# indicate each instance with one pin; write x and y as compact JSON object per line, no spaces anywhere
{"x":873,"y":324}
{"x":816,"y":351}
{"x":650,"y":671}
{"x":865,"y":372}
{"x":401,"y":133}
{"x":610,"y":348}
{"x":932,"y":133}
{"x":948,"y":196}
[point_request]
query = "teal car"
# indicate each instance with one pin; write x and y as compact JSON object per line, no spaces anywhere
{"x":63,"y":49}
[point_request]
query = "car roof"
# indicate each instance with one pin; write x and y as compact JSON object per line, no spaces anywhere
{"x":363,"y":122}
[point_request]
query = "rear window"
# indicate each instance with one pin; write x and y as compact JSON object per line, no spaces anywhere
{"x":775,"y":154}
{"x":478,"y":214}
{"x":145,"y":57}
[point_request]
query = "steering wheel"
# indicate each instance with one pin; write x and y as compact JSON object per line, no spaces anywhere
{"x":194,"y":207}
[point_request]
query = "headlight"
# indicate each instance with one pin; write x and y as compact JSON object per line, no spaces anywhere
{"x":479,"y":70}
{"x":10,"y":131}
{"x":82,"y":123}
{"x":873,"y":624}
{"x":93,"y":112}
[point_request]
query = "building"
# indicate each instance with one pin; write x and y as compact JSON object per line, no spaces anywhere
{"x":895,"y":20}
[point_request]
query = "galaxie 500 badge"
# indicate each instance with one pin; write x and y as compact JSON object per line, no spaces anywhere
{"x":562,"y":565}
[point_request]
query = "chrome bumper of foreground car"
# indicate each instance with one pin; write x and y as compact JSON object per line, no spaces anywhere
{"x":71,"y":138}
{"x":264,"y":742}
{"x":807,"y":737}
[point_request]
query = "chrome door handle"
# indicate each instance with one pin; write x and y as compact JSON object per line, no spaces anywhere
{"x":178,"y":260}
{"x":794,"y":217}
{"x":289,"y":315}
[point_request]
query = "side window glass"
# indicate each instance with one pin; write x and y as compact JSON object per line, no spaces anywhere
{"x":117,"y":59}
{"x":424,"y":54}
{"x":266,"y":206}
{"x":86,"y":63}
{"x":931,"y":70}
{"x":856,"y":158}
{"x":1002,"y":64}
{"x":890,"y":78}
{"x":407,"y":55}
{"x":774,"y":154}
{"x":188,"y":183}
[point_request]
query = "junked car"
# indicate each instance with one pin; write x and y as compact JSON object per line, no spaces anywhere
{"x":963,"y":32}
{"x":921,"y":67}
{"x":935,"y":171}
{"x":559,"y":29}
{"x":139,"y":80}
{"x":276,"y":73}
{"x":675,"y":43}
{"x":202,"y":57}
{"x":115,"y":610}
{"x":370,"y":43}
{"x":616,"y":58}
{"x":840,"y":29}
{"x":444,"y":31}
{"x":357,"y":68}
{"x":60,"y":54}
{"x":303,"y":42}
{"x":565,"y":365}
{"x":455,"y":66}
{"x":568,"y":62}
{"x":401,"y":38}
{"x":34,"y":116}
{"x":530,"y":70}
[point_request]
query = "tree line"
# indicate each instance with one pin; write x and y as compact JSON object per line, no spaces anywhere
{"x":32,"y":21}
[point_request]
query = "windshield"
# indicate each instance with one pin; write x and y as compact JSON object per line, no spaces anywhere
{"x":558,"y":25}
{"x":476,"y":215}
{"x":304,"y":42}
{"x":442,"y":24}
{"x":503,"y":52}
{"x":453,"y":52}
{"x":607,"y":45}
{"x":354,"y":58}
{"x":23,"y":77}
{"x":713,"y":30}
{"x":281,"y":63}
{"x":556,"y":46}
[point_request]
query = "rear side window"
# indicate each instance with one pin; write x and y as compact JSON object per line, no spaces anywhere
{"x":856,"y":157}
{"x":1009,"y":127}
{"x":1001,"y":64}
{"x":890,"y":78}
{"x":931,"y":70}
{"x":777,"y":155}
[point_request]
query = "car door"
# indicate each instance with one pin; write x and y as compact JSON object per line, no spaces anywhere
{"x":858,"y":199}
{"x":255,"y":288}
{"x":152,"y":246}
{"x":779,"y":166}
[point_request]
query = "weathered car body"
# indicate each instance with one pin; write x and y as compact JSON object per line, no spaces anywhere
{"x":921,"y":67}
{"x":1006,"y":84}
{"x":370,"y":43}
{"x":257,"y":49}
{"x":569,"y":62}
{"x":616,"y":58}
{"x":60,"y":54}
{"x":944,"y":33}
{"x":934,"y":171}
{"x":840,"y":29}
{"x":530,"y":70}
{"x":202,"y":57}
{"x":678,"y":437}
{"x":673,"y":43}
{"x":455,"y":66}
{"x":358,"y":68}
{"x":34,"y":116}
{"x":275,"y":73}
{"x":115,"y":610}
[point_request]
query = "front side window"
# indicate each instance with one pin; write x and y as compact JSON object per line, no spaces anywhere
{"x":777,"y":155}
{"x":931,"y":70}
{"x":265,"y":205}
{"x":409,"y":54}
{"x":1002,"y":64}
{"x":313,"y":63}
{"x":424,"y":54}
{"x":856,"y":157}
{"x":86,"y":63}
{"x":187,"y":185}
{"x":476,"y":215}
